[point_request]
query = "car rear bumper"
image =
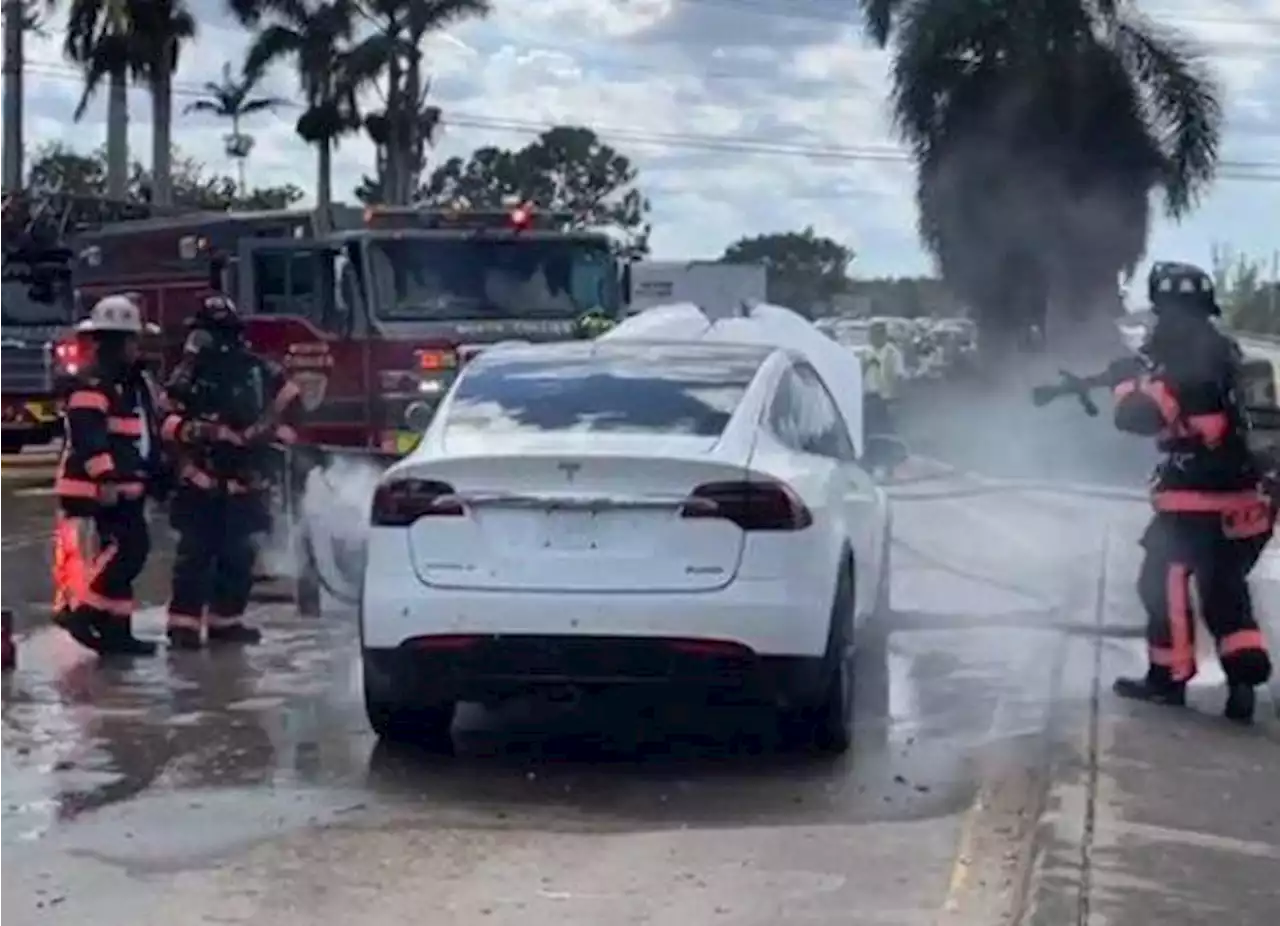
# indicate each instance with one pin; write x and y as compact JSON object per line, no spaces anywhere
{"x":768,"y":617}
{"x":491,"y":668}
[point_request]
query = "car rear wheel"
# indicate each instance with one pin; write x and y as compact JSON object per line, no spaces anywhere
{"x":826,"y":726}
{"x":396,"y":720}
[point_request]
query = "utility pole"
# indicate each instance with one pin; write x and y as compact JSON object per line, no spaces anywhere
{"x":15,"y":21}
{"x":1273,"y":291}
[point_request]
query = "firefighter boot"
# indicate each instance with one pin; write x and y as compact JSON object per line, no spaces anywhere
{"x":1241,"y":700}
{"x":79,"y":624}
{"x":185,"y":638}
{"x":1155,"y":686}
{"x":118,"y":640}
{"x":234,"y":632}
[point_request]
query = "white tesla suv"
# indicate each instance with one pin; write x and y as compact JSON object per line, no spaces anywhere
{"x":688,"y":516}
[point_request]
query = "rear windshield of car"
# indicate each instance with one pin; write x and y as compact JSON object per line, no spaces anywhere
{"x":630,"y":389}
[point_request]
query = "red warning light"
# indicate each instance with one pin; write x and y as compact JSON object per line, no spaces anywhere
{"x":520,"y":217}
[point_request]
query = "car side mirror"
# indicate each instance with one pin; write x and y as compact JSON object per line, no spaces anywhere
{"x":882,"y":451}
{"x":418,"y":416}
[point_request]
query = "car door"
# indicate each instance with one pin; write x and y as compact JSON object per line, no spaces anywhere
{"x":826,"y":435}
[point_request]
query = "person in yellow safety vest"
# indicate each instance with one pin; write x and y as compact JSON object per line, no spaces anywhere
{"x":110,"y":459}
{"x":882,"y":370}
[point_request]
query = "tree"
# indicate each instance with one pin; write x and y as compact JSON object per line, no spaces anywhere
{"x":1248,"y":303}
{"x":1039,"y":129}
{"x":566,"y":169}
{"x":100,"y":38}
{"x":232,"y":99}
{"x":317,"y":36}
{"x":58,"y":169}
{"x":403,"y":129}
{"x":806,"y":270}
{"x":161,"y":28}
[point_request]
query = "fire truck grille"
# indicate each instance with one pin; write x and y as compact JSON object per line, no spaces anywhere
{"x":26,"y":369}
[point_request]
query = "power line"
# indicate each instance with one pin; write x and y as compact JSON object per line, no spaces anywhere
{"x":1259,"y":171}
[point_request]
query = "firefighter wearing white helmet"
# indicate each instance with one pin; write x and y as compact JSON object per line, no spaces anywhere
{"x":110,"y":463}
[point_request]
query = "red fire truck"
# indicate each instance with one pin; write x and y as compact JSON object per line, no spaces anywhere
{"x":36,"y":305}
{"x":372,"y":319}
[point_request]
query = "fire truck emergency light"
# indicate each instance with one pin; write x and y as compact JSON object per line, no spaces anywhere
{"x":434,"y":361}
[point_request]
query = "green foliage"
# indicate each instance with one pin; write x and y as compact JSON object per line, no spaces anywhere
{"x":566,"y":169}
{"x":56,"y":168}
{"x":1249,"y":303}
{"x":806,"y":270}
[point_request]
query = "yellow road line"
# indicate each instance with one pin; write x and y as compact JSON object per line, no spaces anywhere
{"x":963,"y":863}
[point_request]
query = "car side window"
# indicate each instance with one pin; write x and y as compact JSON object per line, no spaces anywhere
{"x":826,"y":433}
{"x":785,"y":419}
{"x":805,"y":417}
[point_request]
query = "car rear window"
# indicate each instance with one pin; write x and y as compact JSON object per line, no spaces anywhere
{"x":628,"y":389}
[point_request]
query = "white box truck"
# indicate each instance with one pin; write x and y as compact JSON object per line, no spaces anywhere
{"x":719,"y":289}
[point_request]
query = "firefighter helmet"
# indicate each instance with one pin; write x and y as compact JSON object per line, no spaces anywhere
{"x":217,"y":313}
{"x":1172,"y":285}
{"x":118,"y":314}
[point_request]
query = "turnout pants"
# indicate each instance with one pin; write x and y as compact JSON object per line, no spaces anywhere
{"x":96,"y":560}
{"x":1204,"y":553}
{"x":213,"y":568}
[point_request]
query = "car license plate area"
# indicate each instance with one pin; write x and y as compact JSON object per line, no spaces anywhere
{"x":570,"y":531}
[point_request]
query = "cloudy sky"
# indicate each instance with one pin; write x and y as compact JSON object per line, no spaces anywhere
{"x":681,"y":85}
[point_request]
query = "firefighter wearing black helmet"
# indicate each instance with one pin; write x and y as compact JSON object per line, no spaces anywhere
{"x":1212,"y":519}
{"x":227,"y":407}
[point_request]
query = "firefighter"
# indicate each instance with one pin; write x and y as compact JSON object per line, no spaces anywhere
{"x":109,"y":460}
{"x":1212,"y":518}
{"x":227,"y":407}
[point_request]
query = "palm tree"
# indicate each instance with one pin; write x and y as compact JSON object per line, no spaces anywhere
{"x":1039,"y":128}
{"x":407,"y":125}
{"x":232,"y":99}
{"x":161,"y":27}
{"x":316,"y":35}
{"x":101,"y":40}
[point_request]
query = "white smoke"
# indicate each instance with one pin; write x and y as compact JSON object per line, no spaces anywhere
{"x":334,"y":515}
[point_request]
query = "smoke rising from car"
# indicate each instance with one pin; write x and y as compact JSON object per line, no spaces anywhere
{"x":334,"y":516}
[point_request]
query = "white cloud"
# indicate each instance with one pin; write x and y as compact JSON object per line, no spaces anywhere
{"x":795,"y":73}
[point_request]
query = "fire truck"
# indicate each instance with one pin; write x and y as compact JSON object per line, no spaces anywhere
{"x":37,"y":305}
{"x":372,"y":318}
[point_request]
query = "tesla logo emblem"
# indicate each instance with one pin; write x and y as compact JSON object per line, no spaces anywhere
{"x":570,"y":470}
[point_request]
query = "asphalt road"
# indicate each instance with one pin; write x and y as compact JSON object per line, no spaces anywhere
{"x":244,"y":786}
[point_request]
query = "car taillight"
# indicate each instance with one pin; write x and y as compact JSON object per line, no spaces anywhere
{"x":400,"y":503}
{"x":753,"y":506}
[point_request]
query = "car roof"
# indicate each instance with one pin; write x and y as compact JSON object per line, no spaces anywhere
{"x":658,"y":350}
{"x":761,"y":324}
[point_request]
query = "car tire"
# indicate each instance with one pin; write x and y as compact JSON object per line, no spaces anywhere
{"x":826,"y":726}
{"x":13,"y":443}
{"x":429,"y":726}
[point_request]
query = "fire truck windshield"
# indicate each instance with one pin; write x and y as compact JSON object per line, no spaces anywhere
{"x":447,"y":278}
{"x":19,"y":308}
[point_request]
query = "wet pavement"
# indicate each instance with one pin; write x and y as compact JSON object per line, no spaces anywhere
{"x":244,"y":786}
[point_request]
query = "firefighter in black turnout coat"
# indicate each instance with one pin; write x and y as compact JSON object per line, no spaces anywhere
{"x":110,"y":462}
{"x":226,"y":406}
{"x":1212,"y":517}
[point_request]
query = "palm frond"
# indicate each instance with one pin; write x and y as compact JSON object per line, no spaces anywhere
{"x":878,"y":16}
{"x":1184,"y":103}
{"x":263,"y":104}
{"x":205,"y":106}
{"x":270,"y":45}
